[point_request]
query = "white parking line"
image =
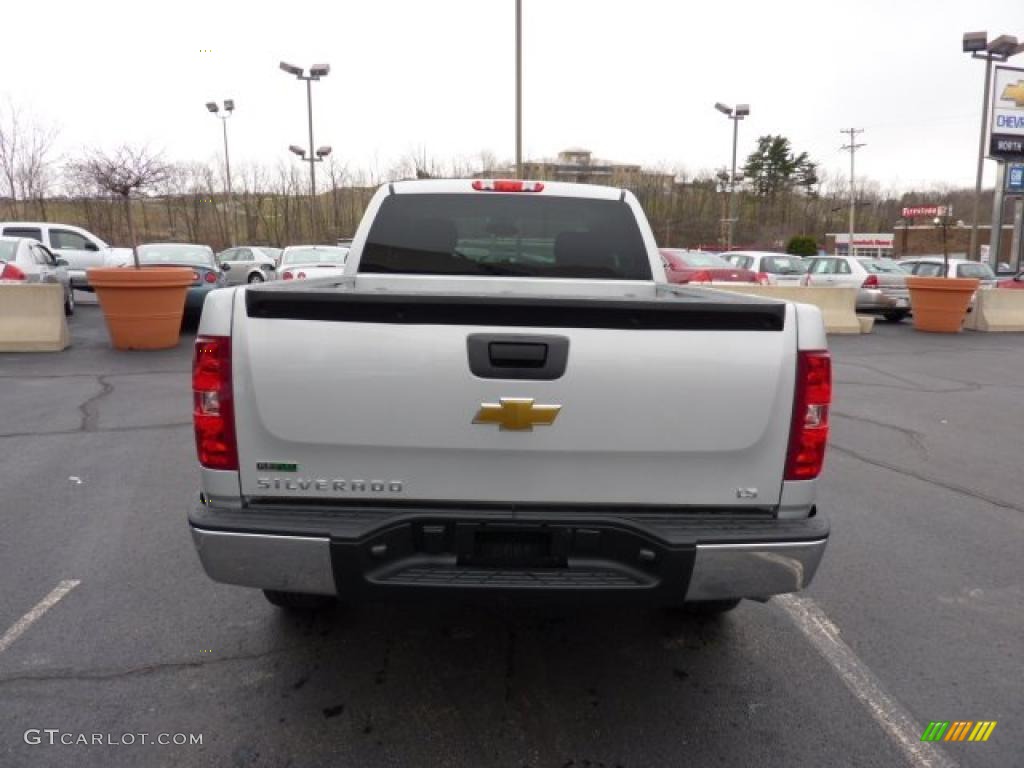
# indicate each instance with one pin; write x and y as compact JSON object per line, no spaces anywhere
{"x":862,"y":682}
{"x":38,"y":610}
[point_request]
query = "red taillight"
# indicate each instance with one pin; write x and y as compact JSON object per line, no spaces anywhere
{"x":301,"y":275}
{"x":701,"y":277}
{"x":507,"y":185}
{"x":286,"y":276}
{"x":213,"y":412}
{"x":11,"y":272}
{"x":762,"y":278}
{"x":210,"y":277}
{"x":871,"y":281}
{"x":808,"y":434}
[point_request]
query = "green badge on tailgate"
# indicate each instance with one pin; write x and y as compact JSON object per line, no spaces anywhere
{"x":277,"y":466}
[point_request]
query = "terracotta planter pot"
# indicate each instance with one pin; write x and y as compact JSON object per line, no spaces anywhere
{"x":939,"y":304}
{"x":142,"y":307}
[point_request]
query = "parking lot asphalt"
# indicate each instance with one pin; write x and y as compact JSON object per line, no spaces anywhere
{"x":917,"y":612}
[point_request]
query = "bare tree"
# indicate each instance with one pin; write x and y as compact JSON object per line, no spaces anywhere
{"x":125,"y":171}
{"x":26,"y":158}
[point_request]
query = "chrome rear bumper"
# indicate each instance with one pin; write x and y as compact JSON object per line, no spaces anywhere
{"x":304,"y":564}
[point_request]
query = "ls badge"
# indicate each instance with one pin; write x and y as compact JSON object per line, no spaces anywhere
{"x":516,"y":413}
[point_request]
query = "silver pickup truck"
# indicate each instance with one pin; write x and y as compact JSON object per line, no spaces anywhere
{"x":503,"y":397}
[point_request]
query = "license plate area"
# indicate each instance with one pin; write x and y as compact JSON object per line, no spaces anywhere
{"x":512,"y":547}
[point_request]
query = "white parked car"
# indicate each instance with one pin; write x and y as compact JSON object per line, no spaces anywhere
{"x":305,"y":261}
{"x":25,"y":260}
{"x":881,"y":282}
{"x":931,"y":266}
{"x":248,"y":264}
{"x":771,"y":268}
{"x":80,"y":248}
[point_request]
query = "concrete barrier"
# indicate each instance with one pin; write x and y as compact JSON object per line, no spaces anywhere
{"x":867,"y":323}
{"x":32,"y":318}
{"x":837,"y":305}
{"x":996,"y":310}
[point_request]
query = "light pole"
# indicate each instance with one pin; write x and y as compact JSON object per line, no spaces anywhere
{"x":519,"y":89}
{"x":1000,"y":49}
{"x":316,"y":72}
{"x":229,"y":109}
{"x":737,"y":114}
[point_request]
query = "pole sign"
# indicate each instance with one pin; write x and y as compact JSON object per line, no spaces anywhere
{"x":1015,"y":179}
{"x":930,"y":211}
{"x":1007,"y":128}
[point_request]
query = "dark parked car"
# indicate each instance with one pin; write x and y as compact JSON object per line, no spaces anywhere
{"x":207,"y":275}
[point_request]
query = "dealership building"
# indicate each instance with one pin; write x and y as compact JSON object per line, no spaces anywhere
{"x":908,"y":240}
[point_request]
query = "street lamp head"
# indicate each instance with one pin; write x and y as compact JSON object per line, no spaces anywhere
{"x":723,"y":108}
{"x":320,"y":70}
{"x":212,"y":106}
{"x":742,"y":110}
{"x":297,"y":150}
{"x":291,"y":69}
{"x":1004,"y":45}
{"x":229,"y":105}
{"x":975,"y":41}
{"x":323,"y":151}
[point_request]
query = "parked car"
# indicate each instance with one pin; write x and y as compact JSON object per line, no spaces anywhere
{"x":931,"y":266}
{"x":249,"y":264}
{"x":207,"y":275}
{"x":302,"y":261}
{"x":80,"y":248}
{"x":770,"y":268}
{"x":882,"y":283}
{"x":26,"y":260}
{"x":683,"y":266}
{"x":1015,"y":283}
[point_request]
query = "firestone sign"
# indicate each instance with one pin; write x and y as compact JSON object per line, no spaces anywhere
{"x":1007,"y":137}
{"x":921,"y":211}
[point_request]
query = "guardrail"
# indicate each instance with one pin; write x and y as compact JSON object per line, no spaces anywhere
{"x":838,"y":305}
{"x":997,"y":310}
{"x":32,"y":318}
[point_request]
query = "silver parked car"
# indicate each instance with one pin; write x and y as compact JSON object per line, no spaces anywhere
{"x":882,"y":283}
{"x":302,"y":261}
{"x":26,"y":260}
{"x":249,"y":264}
{"x":771,"y":268}
{"x":931,"y":266}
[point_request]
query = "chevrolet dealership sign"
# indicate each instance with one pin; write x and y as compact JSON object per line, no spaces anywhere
{"x":1007,"y":113}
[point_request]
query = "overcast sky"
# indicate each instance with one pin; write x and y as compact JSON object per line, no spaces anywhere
{"x":632,"y":81}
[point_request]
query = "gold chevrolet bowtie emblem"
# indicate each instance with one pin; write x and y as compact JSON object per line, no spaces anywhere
{"x":1014,"y":92}
{"x":516,"y":413}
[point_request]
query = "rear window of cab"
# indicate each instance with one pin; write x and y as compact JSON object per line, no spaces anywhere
{"x":515,"y":234}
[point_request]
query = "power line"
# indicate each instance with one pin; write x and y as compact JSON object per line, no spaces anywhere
{"x":853,"y":146}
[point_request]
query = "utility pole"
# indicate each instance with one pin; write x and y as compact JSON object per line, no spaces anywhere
{"x":737,"y":114}
{"x":229,"y":109}
{"x":853,"y":146}
{"x":316,"y":72}
{"x":519,"y":89}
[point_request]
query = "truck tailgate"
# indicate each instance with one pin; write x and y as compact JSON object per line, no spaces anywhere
{"x":665,"y":399}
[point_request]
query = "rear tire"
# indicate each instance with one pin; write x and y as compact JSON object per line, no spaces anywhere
{"x":895,"y":317}
{"x":255,"y":277}
{"x":298,"y":602}
{"x":708,"y":607}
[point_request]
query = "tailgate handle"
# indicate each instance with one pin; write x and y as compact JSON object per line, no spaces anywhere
{"x":517,"y":356}
{"x":510,"y":354}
